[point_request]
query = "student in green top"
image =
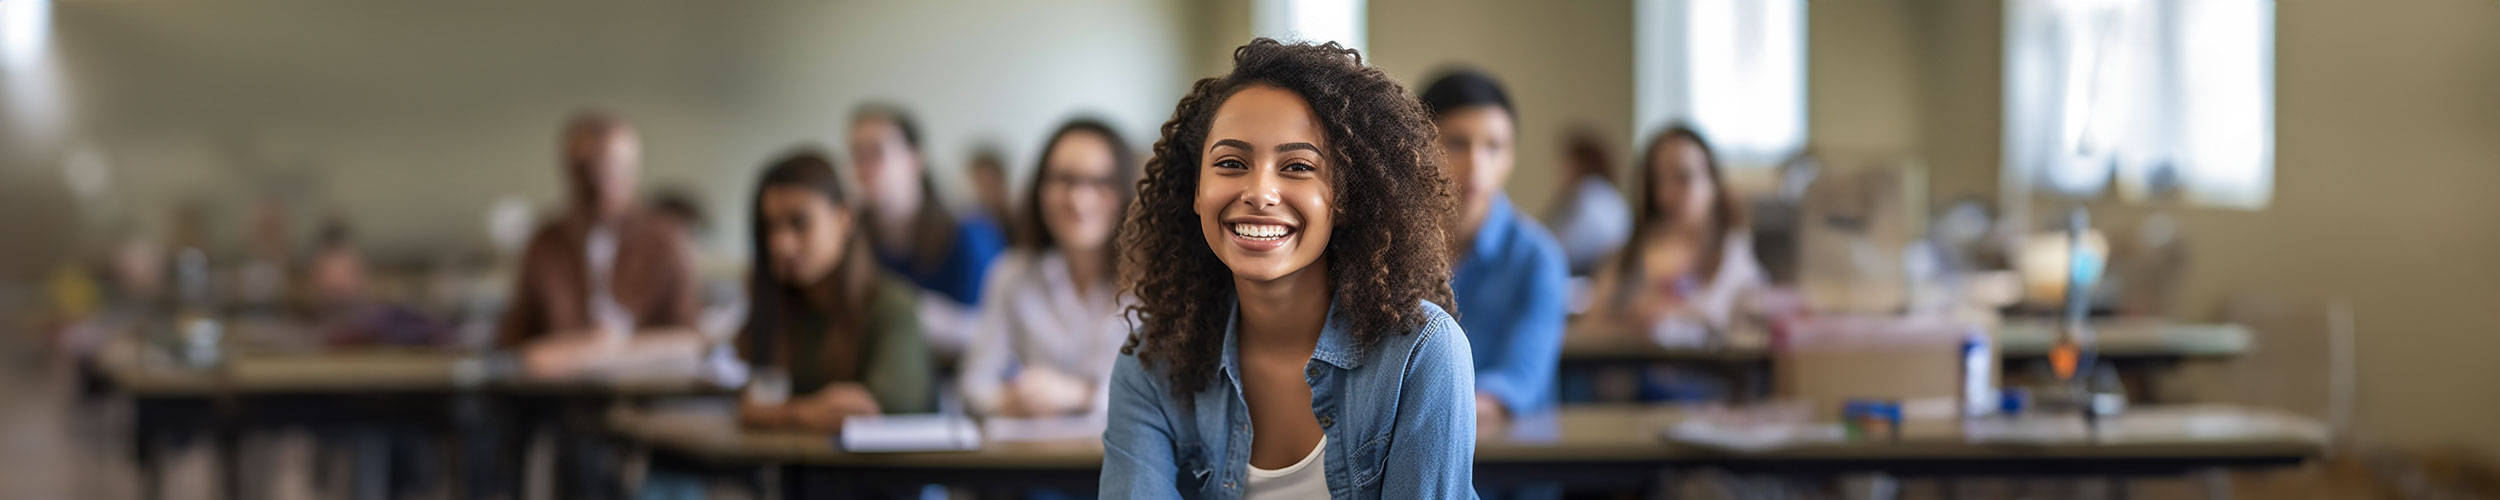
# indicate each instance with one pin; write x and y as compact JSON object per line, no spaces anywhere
{"x":843,"y":331}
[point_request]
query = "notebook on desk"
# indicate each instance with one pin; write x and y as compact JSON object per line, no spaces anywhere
{"x":909,"y":433}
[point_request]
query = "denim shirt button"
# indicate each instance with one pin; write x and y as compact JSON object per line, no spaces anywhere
{"x":1313,"y":372}
{"x":1326,"y":420}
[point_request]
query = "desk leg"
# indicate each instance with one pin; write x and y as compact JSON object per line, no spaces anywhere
{"x":144,"y":456}
{"x":2217,"y":484}
{"x":767,"y":482}
{"x":227,"y":437}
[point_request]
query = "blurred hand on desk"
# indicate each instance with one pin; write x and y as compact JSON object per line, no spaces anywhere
{"x":1491,"y":417}
{"x":584,"y":352}
{"x":1038,"y":391}
{"x":822,"y":411}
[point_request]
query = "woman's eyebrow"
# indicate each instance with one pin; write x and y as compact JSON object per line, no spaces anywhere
{"x":1296,"y":146}
{"x":1232,"y":143}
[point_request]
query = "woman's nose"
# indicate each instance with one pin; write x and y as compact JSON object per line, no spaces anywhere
{"x":1261,"y":192}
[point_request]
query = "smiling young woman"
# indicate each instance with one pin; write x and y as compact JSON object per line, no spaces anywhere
{"x":1288,"y":255}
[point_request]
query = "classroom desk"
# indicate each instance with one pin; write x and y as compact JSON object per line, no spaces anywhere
{"x":1613,"y":446}
{"x":2138,"y":346}
{"x":2118,"y":339}
{"x":442,"y":392}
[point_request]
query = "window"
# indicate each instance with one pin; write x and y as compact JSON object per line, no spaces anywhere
{"x":32,"y":97}
{"x":2165,"y":98}
{"x":1313,"y":21}
{"x":1734,"y":69}
{"x":25,"y":27}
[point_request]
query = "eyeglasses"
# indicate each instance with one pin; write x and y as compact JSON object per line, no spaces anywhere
{"x":1069,"y":181}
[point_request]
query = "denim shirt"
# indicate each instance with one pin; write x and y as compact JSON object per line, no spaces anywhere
{"x":1400,"y":419}
{"x":1510,"y":288}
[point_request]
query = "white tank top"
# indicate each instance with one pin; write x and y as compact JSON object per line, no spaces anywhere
{"x":1305,"y":479}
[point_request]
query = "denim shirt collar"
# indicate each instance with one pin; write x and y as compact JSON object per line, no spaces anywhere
{"x":1336,"y":344}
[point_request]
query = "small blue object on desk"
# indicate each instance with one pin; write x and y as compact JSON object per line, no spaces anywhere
{"x":1862,"y":417}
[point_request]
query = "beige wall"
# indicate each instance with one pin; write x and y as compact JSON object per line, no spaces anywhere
{"x":1863,"y":66}
{"x":408,"y":118}
{"x":2388,"y":162}
{"x":1564,"y":63}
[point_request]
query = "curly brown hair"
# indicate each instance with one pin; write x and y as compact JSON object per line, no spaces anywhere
{"x":1388,"y":251}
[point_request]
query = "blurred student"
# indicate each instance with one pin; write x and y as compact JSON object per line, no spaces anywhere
{"x":988,"y":173}
{"x":1052,"y":322}
{"x":913,"y":232}
{"x":1691,"y":256}
{"x":1288,"y":254}
{"x":347,"y":310}
{"x":261,"y":281}
{"x":679,"y":207}
{"x":608,"y":285}
{"x":823,"y":318}
{"x":1510,"y":278}
{"x":1590,"y":217}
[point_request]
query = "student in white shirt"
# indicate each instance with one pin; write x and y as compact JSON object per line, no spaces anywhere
{"x":1051,"y":319}
{"x":1690,"y":259}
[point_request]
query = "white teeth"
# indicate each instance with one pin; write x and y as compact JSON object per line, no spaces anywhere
{"x":1260,"y":231}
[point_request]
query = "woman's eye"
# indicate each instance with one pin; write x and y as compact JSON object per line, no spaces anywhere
{"x":1229,"y":163}
{"x":1299,"y":167}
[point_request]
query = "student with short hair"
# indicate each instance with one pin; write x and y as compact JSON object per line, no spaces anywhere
{"x":608,"y":285}
{"x":1510,"y":277}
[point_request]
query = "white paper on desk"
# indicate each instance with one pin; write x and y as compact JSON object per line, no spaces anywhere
{"x":907,"y":433}
{"x":1065,"y":428}
{"x":1752,"y":438}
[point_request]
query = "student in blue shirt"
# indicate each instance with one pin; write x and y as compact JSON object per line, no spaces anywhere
{"x":1288,"y":257}
{"x":914,"y":234}
{"x":1511,"y":277}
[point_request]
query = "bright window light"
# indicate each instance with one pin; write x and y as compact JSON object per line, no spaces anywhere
{"x":25,"y":26}
{"x":1734,"y":69}
{"x":1313,"y":21}
{"x":2167,"y":98}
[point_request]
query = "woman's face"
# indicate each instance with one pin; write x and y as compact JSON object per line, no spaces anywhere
{"x":888,"y":168}
{"x":804,"y":233}
{"x":1264,"y":201}
{"x":1080,"y":191}
{"x":1680,"y":175}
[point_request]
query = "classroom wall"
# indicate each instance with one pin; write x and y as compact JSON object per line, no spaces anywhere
{"x":409,"y":118}
{"x":1564,"y":63}
{"x":2388,"y":132}
{"x":1862,"y":65}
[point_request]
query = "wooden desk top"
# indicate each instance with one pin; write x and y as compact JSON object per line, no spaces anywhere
{"x":1593,"y":341}
{"x":715,"y":435}
{"x":362,"y":370}
{"x":2187,"y":431}
{"x":1591,"y":434}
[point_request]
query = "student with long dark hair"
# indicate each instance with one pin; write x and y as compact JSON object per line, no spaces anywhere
{"x":1051,"y":321}
{"x":841,"y":331}
{"x":1690,"y":257}
{"x":913,"y":231}
{"x":1289,"y":255}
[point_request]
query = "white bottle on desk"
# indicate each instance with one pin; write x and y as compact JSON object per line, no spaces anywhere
{"x":1979,"y":391}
